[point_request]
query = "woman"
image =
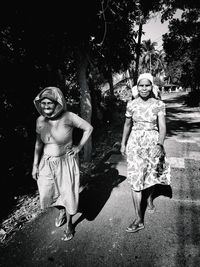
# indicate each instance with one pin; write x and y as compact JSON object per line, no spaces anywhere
{"x":55,"y":164}
{"x":142,"y":142}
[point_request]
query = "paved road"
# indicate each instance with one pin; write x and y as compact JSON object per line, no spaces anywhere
{"x":171,"y":236}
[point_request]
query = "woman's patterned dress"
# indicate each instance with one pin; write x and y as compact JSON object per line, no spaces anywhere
{"x":144,"y":170}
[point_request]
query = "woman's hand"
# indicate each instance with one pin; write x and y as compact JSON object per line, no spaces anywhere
{"x":123,"y":150}
{"x":35,"y":172}
{"x":73,"y":151}
{"x":157,"y":151}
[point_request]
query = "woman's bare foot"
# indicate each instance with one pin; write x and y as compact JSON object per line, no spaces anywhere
{"x":150,"y":206}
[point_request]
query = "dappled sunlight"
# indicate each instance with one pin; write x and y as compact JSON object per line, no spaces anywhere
{"x":180,"y":118}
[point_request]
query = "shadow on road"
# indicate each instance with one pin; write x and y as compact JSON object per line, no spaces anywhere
{"x":176,"y":123}
{"x":158,"y":190}
{"x":187,"y":224}
{"x":162,"y":190}
{"x":97,"y":192}
{"x":180,"y":120}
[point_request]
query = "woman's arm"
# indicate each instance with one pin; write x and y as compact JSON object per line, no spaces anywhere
{"x":159,"y":149}
{"x":37,"y":156}
{"x":87,"y":130}
{"x":162,"y":128}
{"x":126,"y":133}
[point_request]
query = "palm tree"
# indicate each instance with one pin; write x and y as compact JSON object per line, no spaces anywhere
{"x":160,"y":66}
{"x":149,"y":56}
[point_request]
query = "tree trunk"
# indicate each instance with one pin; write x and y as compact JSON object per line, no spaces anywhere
{"x":110,"y":81}
{"x":85,"y":98}
{"x":138,"y":52}
{"x":128,"y":76}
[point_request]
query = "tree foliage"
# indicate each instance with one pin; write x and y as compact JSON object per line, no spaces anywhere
{"x":39,"y":44}
{"x":149,"y":55}
{"x":182,"y":47}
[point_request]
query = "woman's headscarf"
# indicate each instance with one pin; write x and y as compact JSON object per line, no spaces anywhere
{"x":52,"y":93}
{"x":149,"y":77}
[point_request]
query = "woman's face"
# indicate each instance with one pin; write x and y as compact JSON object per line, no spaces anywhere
{"x":144,"y":88}
{"x":48,"y":106}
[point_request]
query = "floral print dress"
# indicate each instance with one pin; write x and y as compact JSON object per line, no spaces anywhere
{"x":144,"y":170}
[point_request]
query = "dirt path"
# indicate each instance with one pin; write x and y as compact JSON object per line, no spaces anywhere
{"x":171,"y":236}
